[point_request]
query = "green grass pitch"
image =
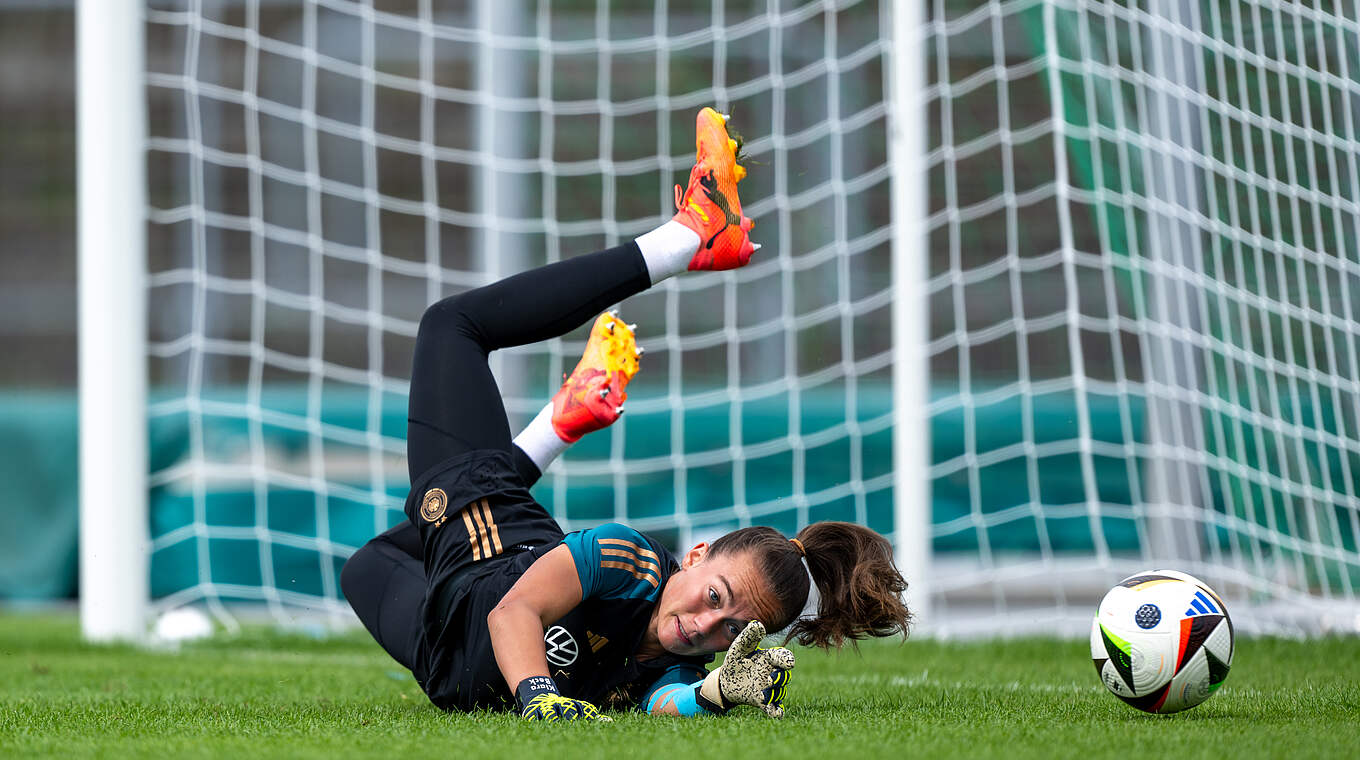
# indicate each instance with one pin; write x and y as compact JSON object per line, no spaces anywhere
{"x":264,"y":693}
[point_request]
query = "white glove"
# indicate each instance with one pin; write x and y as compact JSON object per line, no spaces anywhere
{"x":746,"y":675}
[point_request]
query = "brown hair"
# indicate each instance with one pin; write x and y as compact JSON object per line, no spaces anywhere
{"x":859,"y":586}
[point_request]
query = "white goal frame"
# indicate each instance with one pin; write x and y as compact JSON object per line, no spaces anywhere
{"x":111,"y":200}
{"x":114,"y":551}
{"x":1192,"y":480}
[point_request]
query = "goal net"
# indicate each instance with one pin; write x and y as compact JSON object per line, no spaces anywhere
{"x":1137,"y":255}
{"x":1144,"y":331}
{"x":322,"y":171}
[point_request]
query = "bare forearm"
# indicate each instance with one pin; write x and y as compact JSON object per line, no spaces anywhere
{"x":517,"y":638}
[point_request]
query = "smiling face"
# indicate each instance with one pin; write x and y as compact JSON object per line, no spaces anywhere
{"x":707,"y":602}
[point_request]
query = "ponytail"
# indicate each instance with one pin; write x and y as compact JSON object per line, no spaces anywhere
{"x":860,"y":588}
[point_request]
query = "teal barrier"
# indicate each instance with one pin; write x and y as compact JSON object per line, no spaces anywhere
{"x":38,"y":522}
{"x":39,"y":464}
{"x":40,"y":457}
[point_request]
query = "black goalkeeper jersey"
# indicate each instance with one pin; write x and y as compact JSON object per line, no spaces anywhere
{"x":589,"y":650}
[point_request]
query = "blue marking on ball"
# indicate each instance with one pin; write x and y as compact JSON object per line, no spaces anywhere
{"x":1147,"y":616}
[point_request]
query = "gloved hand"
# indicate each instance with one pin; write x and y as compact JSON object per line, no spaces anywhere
{"x":539,"y":700}
{"x":555,"y":707}
{"x":749,"y":675}
{"x":774,"y":696}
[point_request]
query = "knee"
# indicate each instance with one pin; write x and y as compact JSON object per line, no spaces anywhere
{"x":353,"y":571}
{"x":449,"y":317}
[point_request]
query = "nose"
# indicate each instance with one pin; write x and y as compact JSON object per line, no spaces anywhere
{"x":708,"y":623}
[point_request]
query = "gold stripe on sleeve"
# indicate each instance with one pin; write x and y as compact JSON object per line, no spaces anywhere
{"x":634,"y":570}
{"x":625,"y":554}
{"x":641,"y":552}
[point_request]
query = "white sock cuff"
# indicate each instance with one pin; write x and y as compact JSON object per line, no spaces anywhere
{"x":668,"y":250}
{"x":540,"y":441}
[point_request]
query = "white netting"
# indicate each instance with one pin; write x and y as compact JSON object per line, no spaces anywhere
{"x":321,"y":171}
{"x":1144,"y":283}
{"x":1143,"y":273}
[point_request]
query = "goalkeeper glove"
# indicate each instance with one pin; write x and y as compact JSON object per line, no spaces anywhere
{"x":749,"y":675}
{"x":774,"y":696}
{"x":539,"y":700}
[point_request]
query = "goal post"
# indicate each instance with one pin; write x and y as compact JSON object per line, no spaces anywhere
{"x":111,"y":241}
{"x":912,"y":515}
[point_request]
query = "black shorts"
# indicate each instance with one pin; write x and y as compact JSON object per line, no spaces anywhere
{"x":473,"y":507}
{"x":479,"y":527}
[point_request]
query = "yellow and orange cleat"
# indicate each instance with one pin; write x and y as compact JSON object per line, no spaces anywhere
{"x":710,"y":205}
{"x":592,"y":396}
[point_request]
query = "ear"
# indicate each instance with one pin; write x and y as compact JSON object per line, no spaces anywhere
{"x":694,"y":556}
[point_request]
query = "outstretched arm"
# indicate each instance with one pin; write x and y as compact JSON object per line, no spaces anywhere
{"x":673,"y":691}
{"x":675,"y":699}
{"x":548,"y":590}
{"x":750,"y":674}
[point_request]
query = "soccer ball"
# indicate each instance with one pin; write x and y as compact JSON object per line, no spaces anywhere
{"x":1162,"y":641}
{"x":180,"y":625}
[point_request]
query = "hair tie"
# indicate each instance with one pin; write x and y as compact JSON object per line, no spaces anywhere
{"x":799,"y":546}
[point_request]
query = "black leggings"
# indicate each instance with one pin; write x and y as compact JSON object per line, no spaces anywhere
{"x":455,"y":407}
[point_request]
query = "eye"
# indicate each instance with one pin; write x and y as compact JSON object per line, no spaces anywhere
{"x":713,"y":597}
{"x":733,"y":630}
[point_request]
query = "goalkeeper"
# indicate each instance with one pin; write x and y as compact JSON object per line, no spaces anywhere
{"x":485,"y":600}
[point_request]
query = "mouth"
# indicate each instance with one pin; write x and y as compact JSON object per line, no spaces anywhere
{"x":681,"y":633}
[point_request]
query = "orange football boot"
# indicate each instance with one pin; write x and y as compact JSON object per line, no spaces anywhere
{"x":710,"y":205}
{"x":592,"y":396}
